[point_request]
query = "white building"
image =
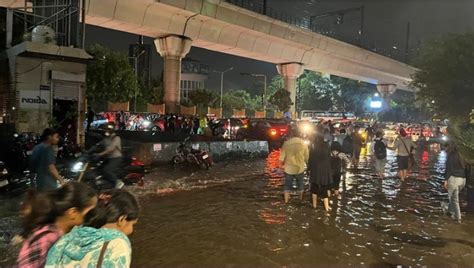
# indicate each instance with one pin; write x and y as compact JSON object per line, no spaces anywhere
{"x":193,"y":76}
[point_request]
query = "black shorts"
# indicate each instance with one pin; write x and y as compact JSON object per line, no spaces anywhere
{"x":402,"y":162}
{"x":320,"y":190}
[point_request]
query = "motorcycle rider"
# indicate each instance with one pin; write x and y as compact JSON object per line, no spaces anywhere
{"x":113,"y":155}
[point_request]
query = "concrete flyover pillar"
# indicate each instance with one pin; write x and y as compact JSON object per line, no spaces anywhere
{"x":290,"y":72}
{"x":172,"y":48}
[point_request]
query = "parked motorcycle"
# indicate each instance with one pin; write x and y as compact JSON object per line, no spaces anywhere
{"x":21,"y":149}
{"x":186,"y":154}
{"x":11,"y":184}
{"x":68,"y":149}
{"x":88,"y":169}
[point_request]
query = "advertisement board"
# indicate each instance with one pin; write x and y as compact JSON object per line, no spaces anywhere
{"x":34,"y":99}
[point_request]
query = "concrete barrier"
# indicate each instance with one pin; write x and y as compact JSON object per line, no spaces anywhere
{"x":161,"y":152}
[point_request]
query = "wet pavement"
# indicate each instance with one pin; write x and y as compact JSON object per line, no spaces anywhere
{"x":234,"y":216}
{"x":244,"y":223}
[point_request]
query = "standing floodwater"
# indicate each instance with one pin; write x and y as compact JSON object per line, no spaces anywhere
{"x":246,"y":224}
{"x":234,"y":216}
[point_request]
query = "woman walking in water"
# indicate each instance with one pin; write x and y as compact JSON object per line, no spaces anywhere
{"x":455,"y":180}
{"x":319,"y":168}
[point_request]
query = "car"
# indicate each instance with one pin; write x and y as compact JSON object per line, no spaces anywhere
{"x":266,"y":129}
{"x":98,"y":122}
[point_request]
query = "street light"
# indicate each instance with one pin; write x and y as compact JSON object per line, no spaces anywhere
{"x":135,"y":61}
{"x":264,"y":99}
{"x":222,"y":81}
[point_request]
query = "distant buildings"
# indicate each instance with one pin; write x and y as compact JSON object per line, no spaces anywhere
{"x":193,"y":76}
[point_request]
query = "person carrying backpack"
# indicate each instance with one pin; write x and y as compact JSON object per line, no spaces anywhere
{"x":380,"y":153}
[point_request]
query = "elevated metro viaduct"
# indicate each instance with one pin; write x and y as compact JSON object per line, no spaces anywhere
{"x":219,"y":26}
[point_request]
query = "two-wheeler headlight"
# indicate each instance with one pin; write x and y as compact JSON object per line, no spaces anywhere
{"x":77,"y":167}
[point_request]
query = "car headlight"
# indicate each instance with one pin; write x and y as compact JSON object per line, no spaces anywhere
{"x":444,"y":138}
{"x":77,"y":167}
{"x":146,"y":123}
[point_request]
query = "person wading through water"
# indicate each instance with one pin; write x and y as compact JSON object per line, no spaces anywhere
{"x":294,"y":156}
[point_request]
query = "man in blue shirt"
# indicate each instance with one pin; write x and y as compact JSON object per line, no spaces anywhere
{"x":43,"y":162}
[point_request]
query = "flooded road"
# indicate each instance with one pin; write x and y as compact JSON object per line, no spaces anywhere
{"x":244,"y":223}
{"x":234,"y":216}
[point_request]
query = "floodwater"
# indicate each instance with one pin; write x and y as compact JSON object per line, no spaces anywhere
{"x":244,"y":223}
{"x":234,"y":216}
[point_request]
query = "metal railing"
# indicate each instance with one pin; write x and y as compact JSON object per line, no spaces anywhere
{"x":305,"y":23}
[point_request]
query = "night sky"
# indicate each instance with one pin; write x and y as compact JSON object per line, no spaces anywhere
{"x":385,"y":27}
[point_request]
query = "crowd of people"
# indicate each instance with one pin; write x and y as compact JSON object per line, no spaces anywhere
{"x":189,"y":124}
{"x":331,"y":151}
{"x":74,"y":226}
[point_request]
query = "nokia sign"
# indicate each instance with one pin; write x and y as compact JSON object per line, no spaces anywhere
{"x":34,"y":99}
{"x":38,"y":100}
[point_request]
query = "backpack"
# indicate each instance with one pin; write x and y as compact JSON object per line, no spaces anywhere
{"x":347,"y":145}
{"x":380,"y":149}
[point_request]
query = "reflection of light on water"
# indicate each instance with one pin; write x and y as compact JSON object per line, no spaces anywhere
{"x":274,"y":179}
{"x":423,"y":173}
{"x":440,"y":165}
{"x":272,"y":216}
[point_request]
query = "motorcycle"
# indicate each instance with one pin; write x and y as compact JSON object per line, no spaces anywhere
{"x":186,"y":154}
{"x":68,"y":149}
{"x":88,"y":169}
{"x":21,"y":150}
{"x":13,"y":184}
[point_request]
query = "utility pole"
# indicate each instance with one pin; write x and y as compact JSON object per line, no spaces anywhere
{"x":135,"y":63}
{"x":407,"y":44}
{"x":222,"y":82}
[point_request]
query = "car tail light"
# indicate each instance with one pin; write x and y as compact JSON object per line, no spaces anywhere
{"x":273,"y":132}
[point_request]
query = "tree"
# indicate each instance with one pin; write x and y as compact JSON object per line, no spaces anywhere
{"x":154,"y":93}
{"x":445,"y":77}
{"x":203,"y":97}
{"x":315,"y":92}
{"x":235,"y":99}
{"x":282,"y":100}
{"x":353,"y":96}
{"x":110,"y":76}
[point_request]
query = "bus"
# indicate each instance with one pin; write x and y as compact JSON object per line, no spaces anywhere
{"x":314,"y":115}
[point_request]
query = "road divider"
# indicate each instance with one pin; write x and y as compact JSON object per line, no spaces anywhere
{"x":152,"y":153}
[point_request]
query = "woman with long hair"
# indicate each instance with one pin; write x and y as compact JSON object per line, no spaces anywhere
{"x":102,"y":241}
{"x":49,"y":215}
{"x":455,"y":180}
{"x":319,"y":168}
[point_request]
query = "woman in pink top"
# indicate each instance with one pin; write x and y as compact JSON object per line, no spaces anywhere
{"x":47,"y":216}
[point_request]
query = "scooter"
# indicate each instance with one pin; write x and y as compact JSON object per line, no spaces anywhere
{"x":88,"y":169}
{"x":186,"y":154}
